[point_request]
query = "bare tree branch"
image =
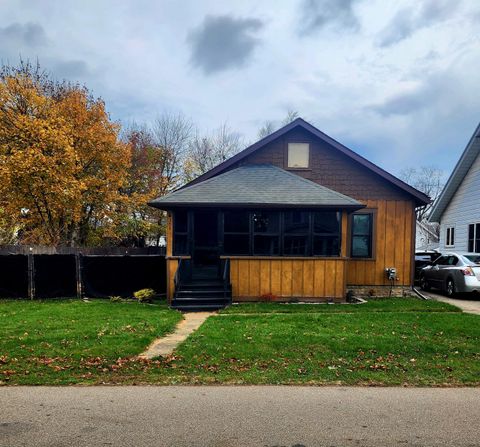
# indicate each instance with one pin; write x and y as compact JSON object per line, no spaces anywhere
{"x":292,"y":115}
{"x":206,"y":152}
{"x":427,"y":179}
{"x":269,"y":127}
{"x":172,"y":133}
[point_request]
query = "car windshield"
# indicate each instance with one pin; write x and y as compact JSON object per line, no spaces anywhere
{"x":473,"y":258}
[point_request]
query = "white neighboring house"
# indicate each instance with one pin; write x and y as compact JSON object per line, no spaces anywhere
{"x":426,"y":237}
{"x":458,"y":206}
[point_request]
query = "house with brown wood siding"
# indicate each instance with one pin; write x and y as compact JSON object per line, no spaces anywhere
{"x":295,"y":216}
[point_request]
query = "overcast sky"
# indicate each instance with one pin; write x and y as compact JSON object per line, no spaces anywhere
{"x":395,"y":80}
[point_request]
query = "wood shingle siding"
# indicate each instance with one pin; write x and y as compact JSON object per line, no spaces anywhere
{"x":329,"y":168}
{"x":300,"y":131}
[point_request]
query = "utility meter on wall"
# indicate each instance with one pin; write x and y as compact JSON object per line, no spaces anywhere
{"x":391,"y":273}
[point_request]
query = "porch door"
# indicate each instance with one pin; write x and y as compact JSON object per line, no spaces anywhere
{"x":205,"y":240}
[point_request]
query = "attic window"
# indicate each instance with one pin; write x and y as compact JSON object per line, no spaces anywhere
{"x":298,"y":155}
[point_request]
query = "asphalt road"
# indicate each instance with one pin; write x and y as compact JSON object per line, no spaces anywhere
{"x":239,"y":416}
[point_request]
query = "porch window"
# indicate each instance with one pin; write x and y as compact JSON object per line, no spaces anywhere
{"x":236,"y":232}
{"x":281,"y":233}
{"x":474,"y":238}
{"x":296,"y":233}
{"x":180,"y":233}
{"x":266,"y":233}
{"x":362,"y":226}
{"x":326,"y":233}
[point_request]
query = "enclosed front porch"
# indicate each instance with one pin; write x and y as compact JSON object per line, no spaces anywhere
{"x":267,"y":254}
{"x":260,"y":233}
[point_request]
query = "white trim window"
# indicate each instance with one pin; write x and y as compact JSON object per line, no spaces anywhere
{"x":450,"y":237}
{"x":298,"y":155}
{"x":474,"y":238}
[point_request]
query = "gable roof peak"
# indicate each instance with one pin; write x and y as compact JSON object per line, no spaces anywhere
{"x":419,"y":197}
{"x":468,"y":157}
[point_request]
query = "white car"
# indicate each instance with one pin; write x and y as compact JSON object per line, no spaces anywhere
{"x":453,"y":273}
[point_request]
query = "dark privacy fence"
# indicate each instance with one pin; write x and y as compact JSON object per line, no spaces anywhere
{"x":54,"y":276}
{"x":71,"y":273}
{"x":14,"y":276}
{"x":122,"y":275}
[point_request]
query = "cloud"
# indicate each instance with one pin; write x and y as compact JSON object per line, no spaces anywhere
{"x":223,"y":42}
{"x":318,"y":14}
{"x":406,"y":103}
{"x":28,"y":34}
{"x":409,"y":20}
{"x":428,"y":123}
{"x":71,"y":69}
{"x":377,"y":101}
{"x":434,"y":91}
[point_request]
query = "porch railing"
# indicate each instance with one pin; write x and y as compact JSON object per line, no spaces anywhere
{"x":183,"y":272}
{"x":226,"y":277}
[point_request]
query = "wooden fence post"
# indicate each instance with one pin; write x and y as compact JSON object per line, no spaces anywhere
{"x":78,"y":271}
{"x":31,"y":276}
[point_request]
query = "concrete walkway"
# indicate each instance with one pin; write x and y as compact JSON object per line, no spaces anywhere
{"x":165,"y":345}
{"x":470,"y":305}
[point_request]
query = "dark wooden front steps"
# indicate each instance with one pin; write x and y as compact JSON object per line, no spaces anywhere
{"x":202,"y":295}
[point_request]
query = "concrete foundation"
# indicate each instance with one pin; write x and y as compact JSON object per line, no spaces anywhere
{"x":380,"y":291}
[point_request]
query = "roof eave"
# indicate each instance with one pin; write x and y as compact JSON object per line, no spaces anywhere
{"x":173,"y":205}
{"x":442,"y":202}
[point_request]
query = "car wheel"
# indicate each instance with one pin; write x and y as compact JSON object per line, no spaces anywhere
{"x":450,"y":288}
{"x":424,"y":283}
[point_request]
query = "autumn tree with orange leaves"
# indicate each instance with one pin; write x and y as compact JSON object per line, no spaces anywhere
{"x":140,"y":223}
{"x":157,"y":158}
{"x":62,"y":164}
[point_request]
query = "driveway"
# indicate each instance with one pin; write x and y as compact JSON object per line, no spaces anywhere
{"x":469,"y":304}
{"x":268,"y":416}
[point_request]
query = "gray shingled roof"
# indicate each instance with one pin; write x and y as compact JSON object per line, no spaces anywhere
{"x":463,"y":165}
{"x":256,"y":185}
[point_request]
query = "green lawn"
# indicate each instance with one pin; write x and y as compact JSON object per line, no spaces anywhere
{"x":383,"y":342}
{"x":391,"y":348}
{"x":71,"y":341}
{"x":375,"y":305}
